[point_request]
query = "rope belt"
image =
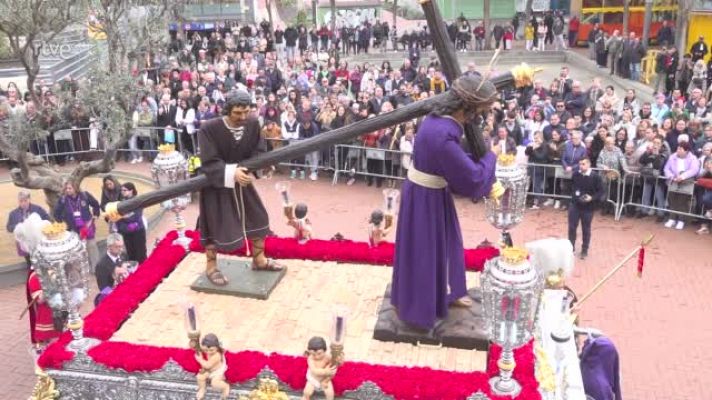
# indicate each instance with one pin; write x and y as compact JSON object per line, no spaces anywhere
{"x":426,"y":180}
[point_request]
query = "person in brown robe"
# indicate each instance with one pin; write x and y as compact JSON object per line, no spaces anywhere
{"x":230,"y":208}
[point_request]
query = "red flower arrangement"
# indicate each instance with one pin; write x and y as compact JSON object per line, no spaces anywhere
{"x":345,"y":251}
{"x":399,"y":382}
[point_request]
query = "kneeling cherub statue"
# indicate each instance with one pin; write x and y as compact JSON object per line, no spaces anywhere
{"x":212,"y":367}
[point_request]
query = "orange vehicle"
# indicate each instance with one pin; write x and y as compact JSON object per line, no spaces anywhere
{"x":609,"y":14}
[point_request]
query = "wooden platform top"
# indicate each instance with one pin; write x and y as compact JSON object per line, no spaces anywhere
{"x":299,"y":308}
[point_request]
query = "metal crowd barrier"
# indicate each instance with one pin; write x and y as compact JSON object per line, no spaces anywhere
{"x":556,"y":183}
{"x":647,"y":192}
{"x":367,"y":161}
{"x":325,"y":158}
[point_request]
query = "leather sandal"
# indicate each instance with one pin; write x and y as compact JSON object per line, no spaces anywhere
{"x":270,"y":266}
{"x":216,"y":277}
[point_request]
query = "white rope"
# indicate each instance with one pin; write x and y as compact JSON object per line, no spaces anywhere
{"x":240,"y":204}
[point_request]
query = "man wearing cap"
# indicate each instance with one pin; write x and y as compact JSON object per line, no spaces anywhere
{"x":699,"y":50}
{"x":230,"y":208}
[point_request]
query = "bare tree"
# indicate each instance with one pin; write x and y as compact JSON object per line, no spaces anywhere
{"x":109,"y":95}
{"x":29,"y":24}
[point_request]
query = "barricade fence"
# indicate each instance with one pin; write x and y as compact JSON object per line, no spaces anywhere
{"x":630,"y":191}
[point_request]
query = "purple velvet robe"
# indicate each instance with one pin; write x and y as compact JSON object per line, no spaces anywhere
{"x":600,"y":369}
{"x":429,"y":263}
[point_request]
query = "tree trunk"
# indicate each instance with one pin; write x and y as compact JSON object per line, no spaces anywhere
{"x":527,"y":14}
{"x":332,"y":5}
{"x":52,"y":198}
{"x":395,"y":14}
{"x":626,"y":16}
{"x":681,"y":28}
{"x":314,"y":13}
{"x":268,"y":4}
{"x":486,"y":23}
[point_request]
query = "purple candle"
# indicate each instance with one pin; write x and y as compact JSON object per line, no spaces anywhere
{"x":191,"y":319}
{"x":339,"y":329}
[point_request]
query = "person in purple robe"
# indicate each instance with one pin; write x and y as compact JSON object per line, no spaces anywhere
{"x":429,"y":263}
{"x":600,"y":369}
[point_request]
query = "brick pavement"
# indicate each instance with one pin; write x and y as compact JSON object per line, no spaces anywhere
{"x":659,"y":323}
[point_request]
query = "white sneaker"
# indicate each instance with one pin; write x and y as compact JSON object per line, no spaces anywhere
{"x":557,"y":205}
{"x":680,"y":225}
{"x":293,"y":174}
{"x":140,"y":160}
{"x":313,"y":176}
{"x":670,"y":223}
{"x":708,"y":214}
{"x":134,"y":161}
{"x":534,"y":206}
{"x":548,"y":202}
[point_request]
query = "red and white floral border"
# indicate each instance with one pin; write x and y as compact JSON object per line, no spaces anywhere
{"x":399,"y":382}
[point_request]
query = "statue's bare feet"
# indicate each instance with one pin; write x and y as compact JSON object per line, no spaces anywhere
{"x":464,"y":302}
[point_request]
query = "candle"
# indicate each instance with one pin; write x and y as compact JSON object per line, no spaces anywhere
{"x":339,"y":329}
{"x":389,"y":204}
{"x":285,"y":197}
{"x":192,"y":323}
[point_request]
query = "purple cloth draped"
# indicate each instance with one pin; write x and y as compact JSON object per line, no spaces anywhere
{"x":600,"y":369}
{"x":429,"y":263}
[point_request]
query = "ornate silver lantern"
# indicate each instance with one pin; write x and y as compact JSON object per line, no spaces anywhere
{"x":62,"y":263}
{"x":168,"y":168}
{"x":506,"y":210}
{"x":511,"y":289}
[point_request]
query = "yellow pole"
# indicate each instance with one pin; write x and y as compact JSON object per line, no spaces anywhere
{"x":610,"y":274}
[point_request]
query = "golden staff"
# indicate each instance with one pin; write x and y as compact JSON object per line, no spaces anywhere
{"x":612,"y":272}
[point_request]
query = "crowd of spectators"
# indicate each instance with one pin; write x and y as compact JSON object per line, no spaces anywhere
{"x":303,"y":85}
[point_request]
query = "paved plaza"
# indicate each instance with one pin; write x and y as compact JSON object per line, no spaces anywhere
{"x":659,"y":323}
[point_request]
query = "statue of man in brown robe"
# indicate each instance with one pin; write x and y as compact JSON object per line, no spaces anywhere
{"x":230,"y":208}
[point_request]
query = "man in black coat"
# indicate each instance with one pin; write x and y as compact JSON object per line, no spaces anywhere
{"x":166,"y":119}
{"x":587,"y":189}
{"x":290,"y":41}
{"x":699,"y":50}
{"x":666,"y":37}
{"x":111,"y":264}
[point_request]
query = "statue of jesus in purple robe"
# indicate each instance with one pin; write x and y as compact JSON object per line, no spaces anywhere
{"x":429,"y":263}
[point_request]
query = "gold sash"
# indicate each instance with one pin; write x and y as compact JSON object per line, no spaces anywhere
{"x":426,"y":180}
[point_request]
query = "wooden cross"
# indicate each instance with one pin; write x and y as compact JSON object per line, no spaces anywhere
{"x":519,"y":76}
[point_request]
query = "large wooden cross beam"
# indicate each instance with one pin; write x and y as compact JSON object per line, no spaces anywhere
{"x":518,"y":76}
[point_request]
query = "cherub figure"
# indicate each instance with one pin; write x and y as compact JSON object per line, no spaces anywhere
{"x":320,"y":369}
{"x":301,"y":224}
{"x":376,"y":232}
{"x":212,"y":368}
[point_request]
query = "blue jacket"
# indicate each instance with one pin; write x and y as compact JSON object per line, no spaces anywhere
{"x":17,"y":216}
{"x":572,"y":155}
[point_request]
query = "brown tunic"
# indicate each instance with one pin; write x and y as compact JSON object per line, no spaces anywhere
{"x":220,"y":220}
